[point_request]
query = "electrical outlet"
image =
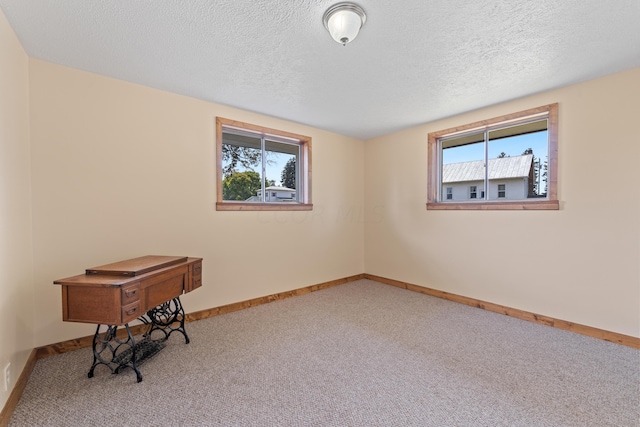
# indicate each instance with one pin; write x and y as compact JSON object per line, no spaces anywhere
{"x":7,"y":377}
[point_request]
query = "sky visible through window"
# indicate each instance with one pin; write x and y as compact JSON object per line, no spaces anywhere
{"x":275,"y":164}
{"x":513,"y":146}
{"x":510,"y":146}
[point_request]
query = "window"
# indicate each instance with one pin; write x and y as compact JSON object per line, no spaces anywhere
{"x":517,"y":150}
{"x":449,"y":193}
{"x":502,"y":191}
{"x":251,"y":158}
{"x":473,"y":192}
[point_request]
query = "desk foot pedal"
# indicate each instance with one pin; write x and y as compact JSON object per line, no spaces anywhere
{"x":117,"y":353}
{"x":143,"y":349}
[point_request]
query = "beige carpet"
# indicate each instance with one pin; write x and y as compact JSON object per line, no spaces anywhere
{"x":360,"y":354}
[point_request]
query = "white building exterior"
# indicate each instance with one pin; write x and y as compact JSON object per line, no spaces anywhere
{"x":509,"y":179}
{"x":275,"y":194}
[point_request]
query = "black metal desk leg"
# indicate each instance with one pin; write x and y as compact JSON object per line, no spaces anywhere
{"x":168,"y":318}
{"x":118,"y":353}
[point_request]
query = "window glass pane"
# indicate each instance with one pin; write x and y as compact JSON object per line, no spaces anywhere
{"x":241,"y":167}
{"x":243,"y":174}
{"x":502,"y":191}
{"x":473,"y":192}
{"x":462,"y":167}
{"x":261,"y":169}
{"x":282,"y":171}
{"x":518,"y":157}
{"x":510,"y":159}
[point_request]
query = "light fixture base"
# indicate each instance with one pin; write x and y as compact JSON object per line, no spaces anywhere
{"x":343,"y":21}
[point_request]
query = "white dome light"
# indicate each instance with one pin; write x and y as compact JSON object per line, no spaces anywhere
{"x":343,"y":21}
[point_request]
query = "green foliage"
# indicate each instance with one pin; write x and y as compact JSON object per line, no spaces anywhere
{"x":236,"y":158}
{"x":241,"y":185}
{"x":288,"y":176}
{"x":233,"y":155}
{"x":539,"y":174}
{"x":544,"y":171}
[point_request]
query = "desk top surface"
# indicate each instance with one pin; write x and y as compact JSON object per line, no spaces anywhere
{"x":136,"y":266}
{"x":124,"y":272}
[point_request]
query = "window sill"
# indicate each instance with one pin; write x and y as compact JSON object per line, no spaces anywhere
{"x":548,"y":205}
{"x":241,"y":206}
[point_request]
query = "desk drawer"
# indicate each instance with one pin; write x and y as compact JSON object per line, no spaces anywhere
{"x":163,"y":290}
{"x":131,"y":293}
{"x":91,"y":304}
{"x":130,"y":312}
{"x":194,"y":278}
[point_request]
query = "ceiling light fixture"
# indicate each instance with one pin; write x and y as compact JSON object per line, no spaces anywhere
{"x":343,"y":21}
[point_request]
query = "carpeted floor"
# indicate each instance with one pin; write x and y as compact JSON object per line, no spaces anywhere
{"x":359,"y":354}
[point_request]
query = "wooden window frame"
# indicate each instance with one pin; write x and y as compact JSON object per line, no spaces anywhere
{"x":549,"y":203}
{"x":305,"y":164}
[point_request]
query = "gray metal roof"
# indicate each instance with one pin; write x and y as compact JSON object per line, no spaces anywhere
{"x":502,"y":168}
{"x":277,"y":188}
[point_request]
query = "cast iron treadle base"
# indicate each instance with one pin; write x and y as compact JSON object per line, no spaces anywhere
{"x":144,"y":350}
{"x":118,"y":353}
{"x":167,"y":318}
{"x":107,"y":351}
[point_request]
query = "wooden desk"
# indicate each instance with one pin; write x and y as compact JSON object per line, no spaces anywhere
{"x":146,"y":288}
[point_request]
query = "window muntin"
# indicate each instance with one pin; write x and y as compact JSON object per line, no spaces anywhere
{"x":261,"y":168}
{"x":511,"y":152}
{"x":473,"y":192}
{"x":520,"y":153}
{"x":519,"y":150}
{"x":461,"y":155}
{"x":502,"y":191}
{"x":249,"y":161}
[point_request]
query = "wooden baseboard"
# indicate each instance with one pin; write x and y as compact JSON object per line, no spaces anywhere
{"x":203,"y":314}
{"x":78,"y":343}
{"x":614,"y":337}
{"x":18,"y":389}
{"x":626,"y":340}
{"x":83,"y":342}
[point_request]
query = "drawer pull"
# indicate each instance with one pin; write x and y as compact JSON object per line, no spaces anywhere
{"x":197,"y":270}
{"x":130,"y":292}
{"x":131,"y":311}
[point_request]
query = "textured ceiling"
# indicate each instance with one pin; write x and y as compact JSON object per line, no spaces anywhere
{"x":414,"y":61}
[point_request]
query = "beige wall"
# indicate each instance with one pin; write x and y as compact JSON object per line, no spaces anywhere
{"x":94,"y":170}
{"x":121,"y":170}
{"x":580,"y":264}
{"x":16,"y":287}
